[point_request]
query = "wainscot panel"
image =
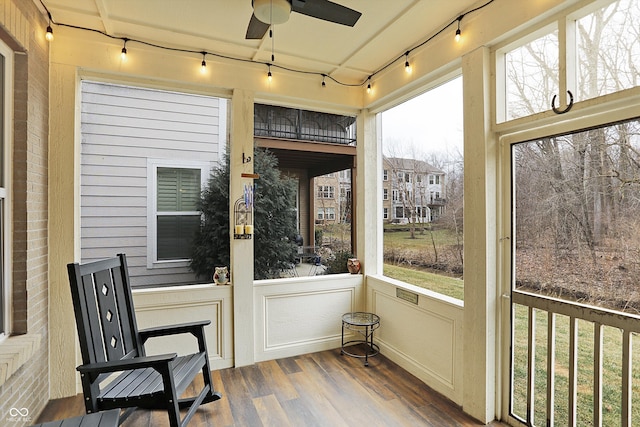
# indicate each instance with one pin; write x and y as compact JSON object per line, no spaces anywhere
{"x":180,"y":304}
{"x":421,"y":334}
{"x":303,"y":315}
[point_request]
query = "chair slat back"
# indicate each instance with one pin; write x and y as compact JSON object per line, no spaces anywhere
{"x":103,"y":308}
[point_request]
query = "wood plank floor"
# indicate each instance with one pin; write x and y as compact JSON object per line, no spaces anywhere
{"x":318,"y":389}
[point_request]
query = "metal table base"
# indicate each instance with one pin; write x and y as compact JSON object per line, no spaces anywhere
{"x":363,"y":324}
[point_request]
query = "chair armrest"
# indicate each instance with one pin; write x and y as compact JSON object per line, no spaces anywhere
{"x":125,"y":364}
{"x":195,"y":328}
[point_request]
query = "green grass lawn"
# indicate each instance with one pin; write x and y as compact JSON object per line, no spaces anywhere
{"x":422,"y":240}
{"x":449,"y":286}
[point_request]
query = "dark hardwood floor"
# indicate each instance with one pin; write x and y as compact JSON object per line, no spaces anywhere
{"x":318,"y":389}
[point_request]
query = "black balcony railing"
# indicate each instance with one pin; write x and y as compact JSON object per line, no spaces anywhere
{"x":290,"y":123}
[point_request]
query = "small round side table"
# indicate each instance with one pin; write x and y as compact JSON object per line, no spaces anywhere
{"x":364,"y":324}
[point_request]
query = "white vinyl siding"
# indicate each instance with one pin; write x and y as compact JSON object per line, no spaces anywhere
{"x":122,"y":128}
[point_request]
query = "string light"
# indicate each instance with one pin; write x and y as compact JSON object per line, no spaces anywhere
{"x":49,"y":36}
{"x":269,"y":75}
{"x":123,"y":52}
{"x":203,"y":67}
{"x":407,"y":66}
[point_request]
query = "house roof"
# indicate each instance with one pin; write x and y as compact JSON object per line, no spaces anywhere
{"x":414,"y":165}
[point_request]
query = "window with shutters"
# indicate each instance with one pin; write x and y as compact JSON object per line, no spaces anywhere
{"x":175,"y":217}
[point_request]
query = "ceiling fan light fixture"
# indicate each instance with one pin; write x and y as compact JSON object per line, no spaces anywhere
{"x":272,"y":11}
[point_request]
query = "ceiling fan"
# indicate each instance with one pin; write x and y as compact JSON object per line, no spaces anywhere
{"x":268,"y":12}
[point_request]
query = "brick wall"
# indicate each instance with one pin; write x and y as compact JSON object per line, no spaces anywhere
{"x":22,"y":27}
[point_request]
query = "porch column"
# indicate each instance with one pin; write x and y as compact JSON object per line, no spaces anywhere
{"x":367,"y":202}
{"x":480,"y":294}
{"x":241,"y":142}
{"x":64,"y":226}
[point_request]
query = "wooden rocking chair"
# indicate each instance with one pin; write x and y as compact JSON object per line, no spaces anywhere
{"x":111,"y":343}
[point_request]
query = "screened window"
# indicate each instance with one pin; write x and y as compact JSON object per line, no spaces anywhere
{"x":576,"y":239}
{"x":577,"y":233}
{"x":422,"y":147}
{"x":177,"y":215}
{"x":531,"y":76}
{"x":602,"y":56}
{"x":608,"y":49}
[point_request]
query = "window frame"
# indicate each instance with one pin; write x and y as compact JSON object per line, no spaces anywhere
{"x":152,"y":201}
{"x":6,"y":247}
{"x":326,"y":192}
{"x":596,"y":112}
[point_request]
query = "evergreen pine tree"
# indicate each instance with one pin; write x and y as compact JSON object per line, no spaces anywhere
{"x":274,"y":220}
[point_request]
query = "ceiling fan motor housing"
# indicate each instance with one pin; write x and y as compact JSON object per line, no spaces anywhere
{"x":272,"y":11}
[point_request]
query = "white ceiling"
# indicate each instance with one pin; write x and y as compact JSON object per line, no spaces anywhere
{"x":386,"y":29}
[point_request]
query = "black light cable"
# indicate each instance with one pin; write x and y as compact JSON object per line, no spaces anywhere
{"x":367,"y":81}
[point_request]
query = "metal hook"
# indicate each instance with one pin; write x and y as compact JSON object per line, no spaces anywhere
{"x":557,"y":110}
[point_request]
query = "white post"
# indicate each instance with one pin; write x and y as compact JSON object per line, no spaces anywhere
{"x":480,"y":251}
{"x":241,"y":143}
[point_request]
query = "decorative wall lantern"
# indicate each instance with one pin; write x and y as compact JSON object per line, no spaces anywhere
{"x":243,"y":215}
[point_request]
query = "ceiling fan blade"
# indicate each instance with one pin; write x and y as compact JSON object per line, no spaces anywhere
{"x":326,"y":10}
{"x":256,"y":29}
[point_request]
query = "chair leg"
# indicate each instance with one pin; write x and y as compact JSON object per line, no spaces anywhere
{"x":212,"y":395}
{"x":171,"y":398}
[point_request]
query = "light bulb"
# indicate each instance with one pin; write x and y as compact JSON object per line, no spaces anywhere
{"x":457,"y":35}
{"x":49,"y":34}
{"x":123,"y":52}
{"x":203,"y":64}
{"x":324,"y":84}
{"x":269,"y":76}
{"x":369,"y":88}
{"x":407,"y":66}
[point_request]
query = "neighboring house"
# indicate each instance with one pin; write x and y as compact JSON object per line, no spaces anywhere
{"x":333,"y":197}
{"x":318,"y":150}
{"x":412,"y":190}
{"x":327,"y":199}
{"x":145,"y":156}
